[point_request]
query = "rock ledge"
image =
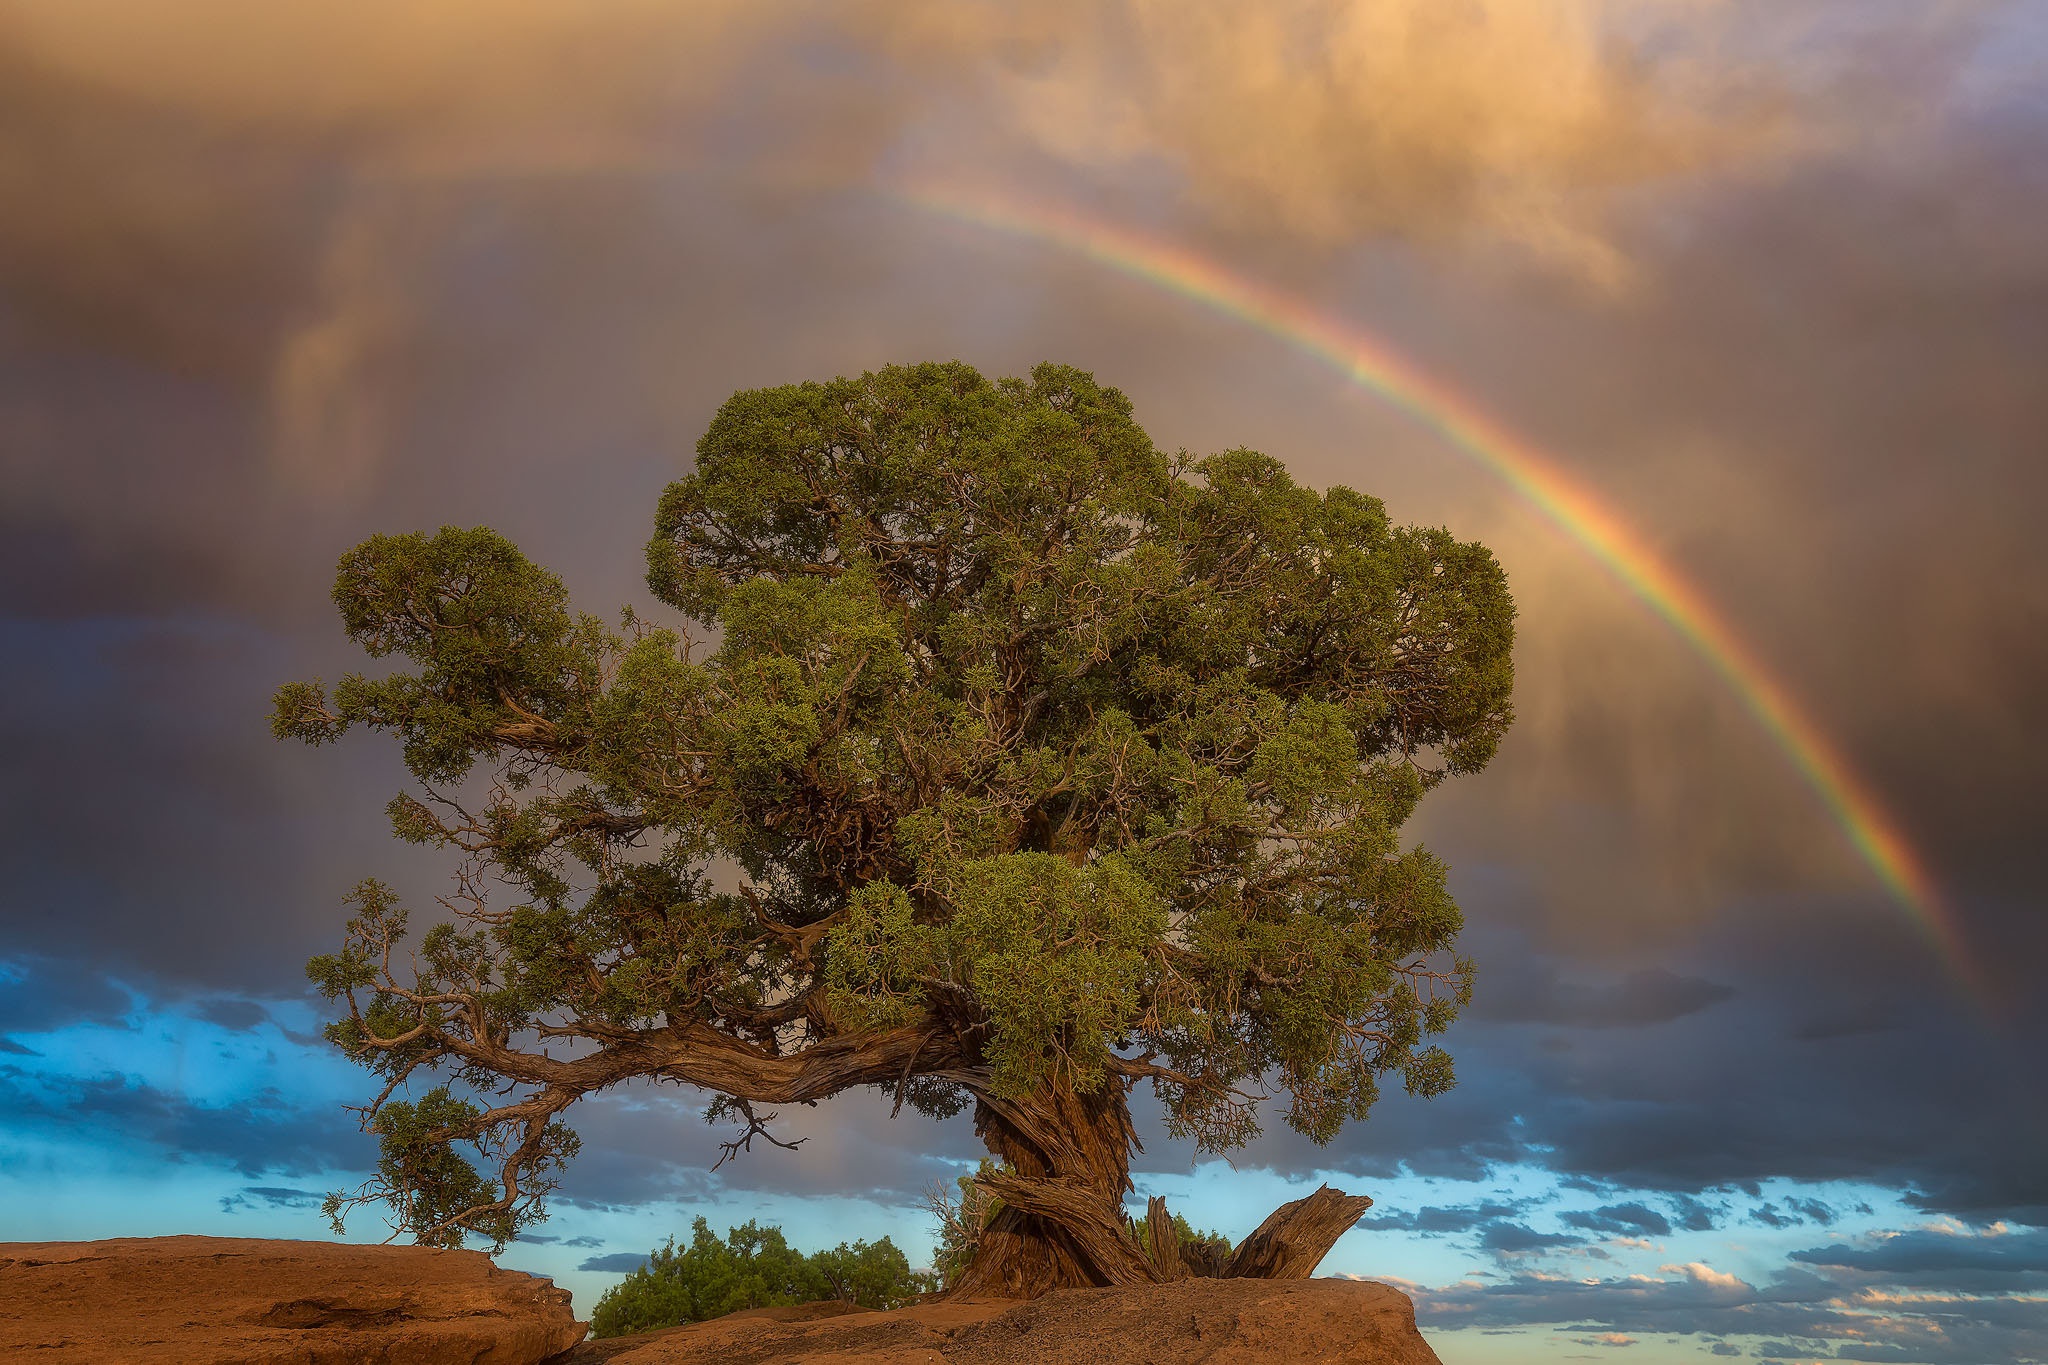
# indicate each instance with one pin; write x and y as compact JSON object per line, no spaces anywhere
{"x":247,"y":1301}
{"x":1188,"y":1322}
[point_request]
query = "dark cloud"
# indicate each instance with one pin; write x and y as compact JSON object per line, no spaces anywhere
{"x":269,"y":1132}
{"x":1792,"y":1214}
{"x":139,"y":239}
{"x":270,"y":1196}
{"x":1948,"y":1108}
{"x":41,"y":994}
{"x":163,"y":836}
{"x":1627,"y":1219}
{"x":128,"y":1077}
{"x":231,"y":1013}
{"x":617,"y":1262}
{"x":1692,"y":1215}
{"x":2021,"y":1251}
{"x":1513,"y":1238}
{"x":1641,"y":998}
{"x":1431,"y":1219}
{"x":1863,"y":1017}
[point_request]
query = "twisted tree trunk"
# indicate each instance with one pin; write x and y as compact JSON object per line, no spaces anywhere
{"x":1062,"y":1223}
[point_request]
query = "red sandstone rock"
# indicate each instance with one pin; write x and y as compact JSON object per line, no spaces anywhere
{"x":1188,"y":1322}
{"x":245,"y":1301}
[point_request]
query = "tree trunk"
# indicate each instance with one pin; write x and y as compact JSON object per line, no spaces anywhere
{"x":1062,"y":1223}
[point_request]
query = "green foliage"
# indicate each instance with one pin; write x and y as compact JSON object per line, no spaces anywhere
{"x":753,"y":1267}
{"x":1045,"y":761}
{"x":488,"y":629}
{"x":1054,"y":953}
{"x":436,"y":1194}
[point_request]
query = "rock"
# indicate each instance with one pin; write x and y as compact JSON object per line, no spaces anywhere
{"x":246,"y":1301}
{"x":1188,"y":1322}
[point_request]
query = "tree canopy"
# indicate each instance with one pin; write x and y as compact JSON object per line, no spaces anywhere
{"x":996,"y":758}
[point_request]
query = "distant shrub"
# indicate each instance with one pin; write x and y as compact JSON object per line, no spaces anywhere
{"x":752,"y":1267}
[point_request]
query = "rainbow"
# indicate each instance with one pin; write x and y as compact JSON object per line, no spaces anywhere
{"x":1579,"y":514}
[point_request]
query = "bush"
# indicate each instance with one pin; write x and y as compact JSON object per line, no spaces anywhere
{"x":753,"y":1267}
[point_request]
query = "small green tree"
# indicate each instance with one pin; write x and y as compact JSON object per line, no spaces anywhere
{"x":871,"y":1274}
{"x":753,"y":1267}
{"x":1030,"y":765}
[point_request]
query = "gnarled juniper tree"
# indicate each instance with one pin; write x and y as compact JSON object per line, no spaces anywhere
{"x":1029,"y":764}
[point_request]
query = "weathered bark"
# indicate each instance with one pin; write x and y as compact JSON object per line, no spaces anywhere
{"x":1062,"y":1224}
{"x":1205,"y":1260}
{"x":1162,"y":1243}
{"x":1093,"y":1235}
{"x":1296,"y":1236}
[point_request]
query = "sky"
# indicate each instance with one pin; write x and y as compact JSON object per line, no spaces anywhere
{"x":1765,"y":281}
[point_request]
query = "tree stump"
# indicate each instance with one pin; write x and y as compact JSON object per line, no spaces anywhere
{"x":1296,"y":1236}
{"x":1162,"y":1243}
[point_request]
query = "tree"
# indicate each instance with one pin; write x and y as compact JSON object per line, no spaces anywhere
{"x":1028,"y":764}
{"x":753,"y":1267}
